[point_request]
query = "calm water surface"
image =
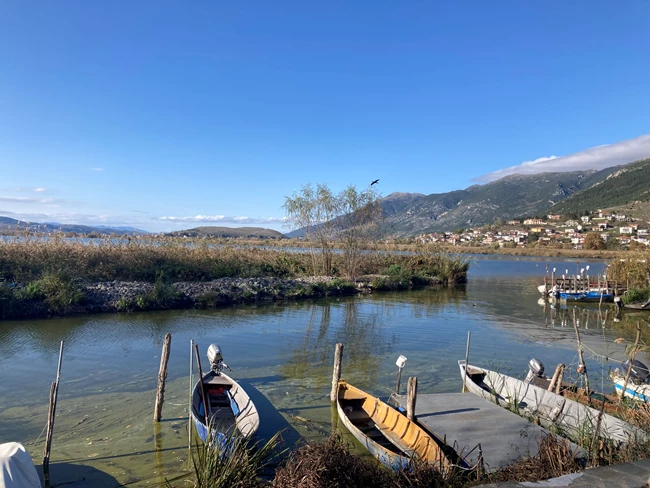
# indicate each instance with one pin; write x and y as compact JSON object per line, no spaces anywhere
{"x":282,"y":353}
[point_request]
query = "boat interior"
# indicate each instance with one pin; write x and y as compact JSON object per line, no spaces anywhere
{"x":388,"y":427}
{"x":479,"y":376}
{"x":216,"y":395}
{"x":352,"y":404}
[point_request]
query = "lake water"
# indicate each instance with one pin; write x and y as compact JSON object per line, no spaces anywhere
{"x":282,"y":353}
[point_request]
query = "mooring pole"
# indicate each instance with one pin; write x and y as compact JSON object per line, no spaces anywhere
{"x":51,"y":415}
{"x":469,"y":337}
{"x":162,"y":377}
{"x":557,"y":377}
{"x":336,"y":374}
{"x":632,"y":356}
{"x":582,"y":365}
{"x":411,"y":397}
{"x":205,"y":404}
{"x":189,"y":407}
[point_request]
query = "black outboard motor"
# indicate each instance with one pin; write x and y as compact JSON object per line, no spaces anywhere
{"x":536,"y":369}
{"x":639,"y":373}
{"x":216,"y":359}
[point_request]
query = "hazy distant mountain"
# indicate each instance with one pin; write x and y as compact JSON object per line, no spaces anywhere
{"x":243,"y":232}
{"x":9,"y":226}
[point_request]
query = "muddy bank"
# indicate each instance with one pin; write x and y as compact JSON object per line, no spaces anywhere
{"x":127,"y":296}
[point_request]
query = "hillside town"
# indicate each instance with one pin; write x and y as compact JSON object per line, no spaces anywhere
{"x":599,"y":230}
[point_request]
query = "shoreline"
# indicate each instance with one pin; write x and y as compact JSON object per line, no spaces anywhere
{"x":137,"y":296}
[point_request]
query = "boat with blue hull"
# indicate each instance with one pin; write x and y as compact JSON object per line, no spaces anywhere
{"x":635,"y":382}
{"x":586,"y":297}
{"x":229,"y":410}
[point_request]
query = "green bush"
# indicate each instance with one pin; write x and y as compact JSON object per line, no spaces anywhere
{"x":634,"y":295}
{"x":31,"y":292}
{"x":60,"y":292}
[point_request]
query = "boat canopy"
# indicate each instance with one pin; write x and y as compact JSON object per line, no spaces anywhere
{"x":16,"y":467}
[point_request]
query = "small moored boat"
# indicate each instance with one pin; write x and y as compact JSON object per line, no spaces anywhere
{"x":637,"y":386}
{"x":389,"y":436}
{"x":586,"y":296}
{"x":229,"y":409}
{"x":549,"y":408}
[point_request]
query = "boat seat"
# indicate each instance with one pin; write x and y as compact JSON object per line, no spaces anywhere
{"x":358,"y":415}
{"x":219,"y":400}
{"x":351,"y":395}
{"x":217,"y":380}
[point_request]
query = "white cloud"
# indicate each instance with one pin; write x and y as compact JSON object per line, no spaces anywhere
{"x":39,"y":190}
{"x":17,"y":199}
{"x":599,"y":157}
{"x":46,"y":201}
{"x":221,"y":219}
{"x":97,"y":169}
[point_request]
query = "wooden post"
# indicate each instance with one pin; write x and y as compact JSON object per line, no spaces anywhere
{"x":553,"y":278}
{"x":411,"y":397}
{"x":469,"y":337}
{"x":162,"y":376}
{"x":560,"y":378}
{"x":48,"y":440}
{"x":336,"y":374}
{"x":633,"y":355}
{"x":546,"y":280}
{"x":205,"y":404}
{"x":582,"y":360}
{"x":51,"y":415}
{"x":558,"y":371}
{"x":398,"y":381}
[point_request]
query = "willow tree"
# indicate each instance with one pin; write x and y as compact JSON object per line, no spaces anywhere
{"x":349,"y":218}
{"x":358,"y":223}
{"x":313,"y":211}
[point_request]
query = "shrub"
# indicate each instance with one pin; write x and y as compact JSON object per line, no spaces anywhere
{"x":330,"y":464}
{"x":60,"y":292}
{"x":634,"y":295}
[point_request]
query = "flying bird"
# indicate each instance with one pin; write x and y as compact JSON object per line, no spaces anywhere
{"x":376,"y":181}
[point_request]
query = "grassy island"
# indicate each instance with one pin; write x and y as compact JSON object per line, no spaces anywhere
{"x":63,"y":276}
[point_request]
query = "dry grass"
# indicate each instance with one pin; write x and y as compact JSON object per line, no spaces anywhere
{"x":175,"y":260}
{"x":633,"y":269}
{"x":330,"y":464}
{"x":555,"y":458}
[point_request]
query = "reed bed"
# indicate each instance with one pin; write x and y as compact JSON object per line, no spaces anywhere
{"x":29,"y":259}
{"x":633,"y":269}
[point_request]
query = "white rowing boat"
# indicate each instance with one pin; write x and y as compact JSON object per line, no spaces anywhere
{"x":550,"y":409}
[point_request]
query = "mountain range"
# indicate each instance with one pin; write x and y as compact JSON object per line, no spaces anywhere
{"x":516,"y":196}
{"x":9,"y":225}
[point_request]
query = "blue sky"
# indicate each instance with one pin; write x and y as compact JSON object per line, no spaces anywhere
{"x":153,"y":113}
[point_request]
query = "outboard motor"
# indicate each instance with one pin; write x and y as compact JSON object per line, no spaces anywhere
{"x":536,"y":369}
{"x":639,"y":373}
{"x":216,"y":359}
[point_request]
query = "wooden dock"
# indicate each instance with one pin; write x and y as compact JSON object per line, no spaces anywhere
{"x":466,"y":420}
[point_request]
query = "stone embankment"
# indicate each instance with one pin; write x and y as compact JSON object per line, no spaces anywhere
{"x":126,"y":296}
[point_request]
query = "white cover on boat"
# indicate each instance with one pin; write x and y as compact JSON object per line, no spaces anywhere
{"x":16,"y":467}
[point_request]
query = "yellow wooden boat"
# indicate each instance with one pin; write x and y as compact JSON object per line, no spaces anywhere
{"x":386,"y":433}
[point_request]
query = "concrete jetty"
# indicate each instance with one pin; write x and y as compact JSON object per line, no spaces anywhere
{"x":466,"y":420}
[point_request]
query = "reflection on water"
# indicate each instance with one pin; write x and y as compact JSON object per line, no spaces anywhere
{"x":282,"y":354}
